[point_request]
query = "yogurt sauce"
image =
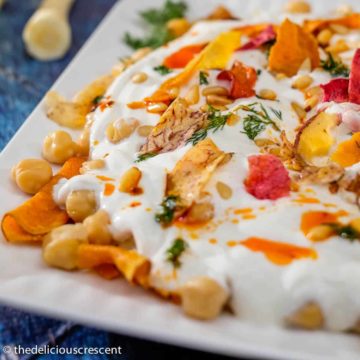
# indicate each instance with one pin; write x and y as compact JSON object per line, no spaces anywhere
{"x":260,"y":290}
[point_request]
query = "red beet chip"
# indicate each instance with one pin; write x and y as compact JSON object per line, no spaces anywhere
{"x":267,"y":178}
{"x":354,"y":84}
{"x":242,"y":80}
{"x":336,"y":90}
{"x":265,"y":36}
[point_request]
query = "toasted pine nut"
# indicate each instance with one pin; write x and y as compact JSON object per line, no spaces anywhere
{"x":339,"y":47}
{"x":139,"y":78}
{"x":200,"y":213}
{"x":339,"y":29}
{"x":157,"y":108}
{"x":324,"y":37}
{"x":263,"y":142}
{"x":300,"y":112}
{"x":144,"y":130}
{"x":130,"y":180}
{"x":224,"y":190}
{"x":139,"y":54}
{"x":215,"y":90}
{"x":193,"y":96}
{"x":174,"y":92}
{"x":92,"y":165}
{"x":315,"y":90}
{"x":344,"y":10}
{"x":218,"y":100}
{"x":310,"y":103}
{"x":280,"y":76}
{"x":232,"y":120}
{"x":178,"y":26}
{"x":308,"y":317}
{"x":320,"y":232}
{"x":302,"y":82}
{"x":298,"y":7}
{"x":267,"y":94}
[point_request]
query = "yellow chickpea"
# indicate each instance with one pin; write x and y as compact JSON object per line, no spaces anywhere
{"x":97,"y":228}
{"x":80,"y":204}
{"x":203,"y":298}
{"x":58,"y":147}
{"x":60,"y":246}
{"x":30,"y":175}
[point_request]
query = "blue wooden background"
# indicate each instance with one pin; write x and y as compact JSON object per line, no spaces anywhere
{"x":23,"y":82}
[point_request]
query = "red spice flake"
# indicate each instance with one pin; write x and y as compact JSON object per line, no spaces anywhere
{"x":182,"y":57}
{"x":242,"y":80}
{"x":104,"y":178}
{"x":268,"y":34}
{"x":336,"y":90}
{"x":109,"y":189}
{"x":267,"y":177}
{"x":106,"y":103}
{"x":135,"y":105}
{"x":212,"y":241}
{"x":354,"y":83}
{"x":135,"y":204}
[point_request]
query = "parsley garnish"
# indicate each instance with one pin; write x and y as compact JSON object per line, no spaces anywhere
{"x":145,"y":156}
{"x":216,"y":121}
{"x":97,"y":100}
{"x":345,"y":231}
{"x":175,"y":251}
{"x":257,"y":120}
{"x":162,"y":69}
{"x":166,"y":216}
{"x":203,"y":78}
{"x":335,"y":68}
{"x":157,"y":19}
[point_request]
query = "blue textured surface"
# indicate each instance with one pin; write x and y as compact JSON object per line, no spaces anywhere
{"x":23,"y":82}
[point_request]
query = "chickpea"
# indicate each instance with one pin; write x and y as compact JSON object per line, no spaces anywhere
{"x":61,"y":244}
{"x":120,"y":129}
{"x":30,"y":175}
{"x":203,"y":298}
{"x":58,"y":147}
{"x":80,"y":204}
{"x":97,"y":228}
{"x":308,"y":317}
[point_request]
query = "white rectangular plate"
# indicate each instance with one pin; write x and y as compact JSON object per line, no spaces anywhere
{"x":27,"y":283}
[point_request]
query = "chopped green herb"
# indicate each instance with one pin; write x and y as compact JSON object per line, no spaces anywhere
{"x":345,"y":231}
{"x":145,"y":156}
{"x":175,"y":251}
{"x":257,"y":120}
{"x":216,"y":121}
{"x":157,"y":19}
{"x":97,"y":100}
{"x":166,"y":216}
{"x":203,"y":78}
{"x":162,"y":69}
{"x":335,"y":68}
{"x":258,"y":72}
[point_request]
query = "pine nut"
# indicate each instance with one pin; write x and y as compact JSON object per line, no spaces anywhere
{"x":144,"y":130}
{"x":280,"y":76}
{"x":218,"y":100}
{"x":320,"y":232}
{"x":178,"y":26}
{"x":193,"y":96}
{"x":267,"y":94}
{"x":302,"y":82}
{"x":215,"y":90}
{"x":139,"y":78}
{"x":298,"y":7}
{"x":224,"y":190}
{"x":156,"y":108}
{"x":232,"y":120}
{"x":130,"y":180}
{"x":92,"y":165}
{"x":263,"y":142}
{"x":344,"y":10}
{"x":300,"y":112}
{"x":339,"y":47}
{"x":200,"y":213}
{"x":141,"y":53}
{"x":324,"y":37}
{"x":315,"y":90}
{"x":311,"y":102}
{"x":339,"y":29}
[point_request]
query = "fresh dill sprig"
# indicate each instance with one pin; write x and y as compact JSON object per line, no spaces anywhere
{"x":335,"y":68}
{"x":145,"y":156}
{"x":345,"y":231}
{"x":157,"y":19}
{"x":257,"y":120}
{"x":162,"y":69}
{"x":175,"y":251}
{"x":203,"y":78}
{"x":168,"y":205}
{"x":215,"y":122}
